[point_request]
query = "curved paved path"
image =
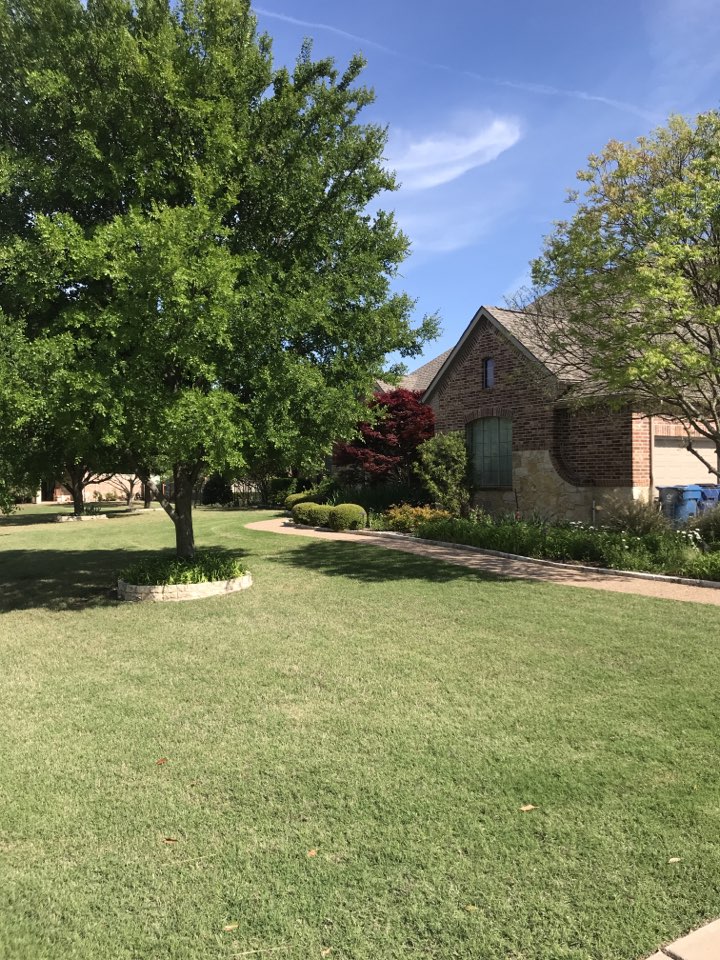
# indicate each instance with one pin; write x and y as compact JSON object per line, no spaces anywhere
{"x":504,"y":567}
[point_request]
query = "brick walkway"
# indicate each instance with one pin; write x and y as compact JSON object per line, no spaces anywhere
{"x":504,"y":567}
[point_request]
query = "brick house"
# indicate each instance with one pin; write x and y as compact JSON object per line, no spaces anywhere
{"x":531,"y":449}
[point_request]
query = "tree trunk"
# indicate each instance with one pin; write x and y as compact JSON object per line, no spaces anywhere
{"x":77,"y":487}
{"x":147,"y":496}
{"x":130,"y":490}
{"x":184,"y":537}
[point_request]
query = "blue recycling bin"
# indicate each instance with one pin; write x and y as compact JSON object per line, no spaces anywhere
{"x":710,"y":496}
{"x":669,"y":499}
{"x":687,"y":506}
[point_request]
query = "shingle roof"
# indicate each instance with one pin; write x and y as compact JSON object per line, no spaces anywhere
{"x":421,"y":378}
{"x":520,"y":328}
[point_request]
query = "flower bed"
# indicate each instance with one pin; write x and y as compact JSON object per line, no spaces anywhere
{"x":673,"y":552}
{"x":168,"y":578}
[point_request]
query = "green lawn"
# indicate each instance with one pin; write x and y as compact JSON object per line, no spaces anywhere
{"x":390,"y":713}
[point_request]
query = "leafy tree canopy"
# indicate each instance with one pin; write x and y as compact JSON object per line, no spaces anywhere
{"x":627,"y":291}
{"x":185,"y":232}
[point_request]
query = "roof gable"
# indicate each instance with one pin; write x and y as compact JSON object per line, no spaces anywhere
{"x":511,"y":325}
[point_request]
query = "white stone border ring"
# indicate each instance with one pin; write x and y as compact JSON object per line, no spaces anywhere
{"x":182,"y":591}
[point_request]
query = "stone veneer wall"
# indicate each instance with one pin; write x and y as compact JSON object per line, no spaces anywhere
{"x":539,"y":488}
{"x":563,"y":460}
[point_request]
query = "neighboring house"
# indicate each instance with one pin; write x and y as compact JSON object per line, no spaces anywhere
{"x":116,"y":485}
{"x":531,"y":449}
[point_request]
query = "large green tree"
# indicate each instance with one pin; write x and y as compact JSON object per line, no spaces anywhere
{"x":189,"y":228}
{"x":627,"y":295}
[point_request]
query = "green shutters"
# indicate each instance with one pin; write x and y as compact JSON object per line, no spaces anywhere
{"x":490,"y":448}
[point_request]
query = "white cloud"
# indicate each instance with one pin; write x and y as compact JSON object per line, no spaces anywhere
{"x":422,"y":163}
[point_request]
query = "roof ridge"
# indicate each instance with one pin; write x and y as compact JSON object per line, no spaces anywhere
{"x":505,"y":309}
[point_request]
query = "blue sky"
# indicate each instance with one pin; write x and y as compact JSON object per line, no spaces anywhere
{"x":492,"y":108}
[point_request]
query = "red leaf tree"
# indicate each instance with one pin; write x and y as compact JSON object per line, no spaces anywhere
{"x":386,"y":448}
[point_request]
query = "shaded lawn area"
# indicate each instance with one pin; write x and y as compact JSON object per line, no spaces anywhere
{"x":390,"y":713}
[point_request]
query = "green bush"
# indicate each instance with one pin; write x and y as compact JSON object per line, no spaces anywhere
{"x":443,"y":469}
{"x":406,"y":518}
{"x":347,"y":516}
{"x":312,"y":514}
{"x":636,"y":517}
{"x":216,"y":491}
{"x":279,"y":488}
{"x":707,"y":525}
{"x":378,"y":497}
{"x":206,"y":567}
{"x":320,"y":493}
{"x":293,"y":499}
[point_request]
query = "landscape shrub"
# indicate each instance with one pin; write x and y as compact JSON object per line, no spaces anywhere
{"x":347,"y":516}
{"x":378,"y":497}
{"x":672,"y":552}
{"x":279,"y":488}
{"x":293,"y":499}
{"x":636,"y":517}
{"x":206,"y":567}
{"x":707,"y":524}
{"x":217,"y":491}
{"x":406,"y":518}
{"x":320,"y":493}
{"x":444,"y":470}
{"x":311,"y":514}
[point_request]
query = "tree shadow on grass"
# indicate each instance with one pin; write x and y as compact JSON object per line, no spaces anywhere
{"x":51,"y":514}
{"x":69,"y":579}
{"x":29,"y":519}
{"x":376,"y":564}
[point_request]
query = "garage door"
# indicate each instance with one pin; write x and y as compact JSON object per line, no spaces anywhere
{"x":672,"y":464}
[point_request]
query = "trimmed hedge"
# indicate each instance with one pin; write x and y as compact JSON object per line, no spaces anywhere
{"x":293,"y":499}
{"x":320,"y":493}
{"x":312,"y":514}
{"x":348,"y":516}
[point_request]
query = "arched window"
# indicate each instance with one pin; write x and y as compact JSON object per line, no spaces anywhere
{"x":489,"y":442}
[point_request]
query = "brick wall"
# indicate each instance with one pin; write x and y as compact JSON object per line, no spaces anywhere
{"x":588,"y":448}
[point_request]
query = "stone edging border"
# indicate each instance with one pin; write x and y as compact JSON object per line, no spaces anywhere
{"x":606,"y":571}
{"x":65,"y":518}
{"x":182,"y":591}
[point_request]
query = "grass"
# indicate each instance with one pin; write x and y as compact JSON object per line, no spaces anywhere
{"x":388,"y":712}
